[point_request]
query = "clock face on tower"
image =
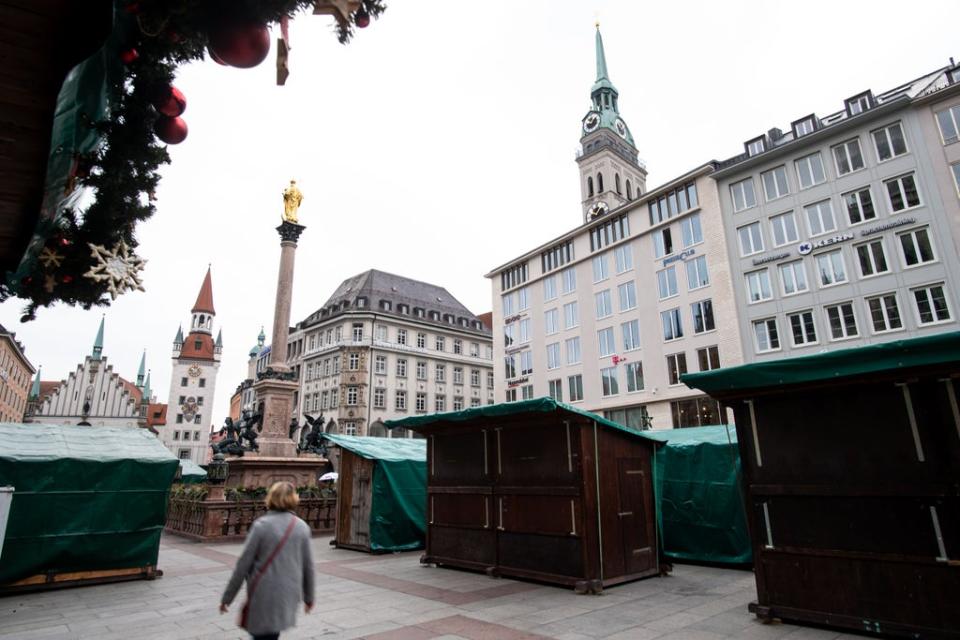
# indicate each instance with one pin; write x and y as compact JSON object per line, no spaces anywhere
{"x":621,"y":127}
{"x":591,"y":122}
{"x":194,"y":371}
{"x":598,"y":209}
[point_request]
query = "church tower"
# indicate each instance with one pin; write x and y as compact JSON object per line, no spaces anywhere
{"x":610,"y":173}
{"x":193,"y":381}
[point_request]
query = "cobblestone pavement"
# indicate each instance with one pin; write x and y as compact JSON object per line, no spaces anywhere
{"x":392,"y":597}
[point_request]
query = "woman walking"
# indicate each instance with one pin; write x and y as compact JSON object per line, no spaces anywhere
{"x":277,"y":564}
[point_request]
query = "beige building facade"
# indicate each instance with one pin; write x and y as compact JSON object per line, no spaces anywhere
{"x":15,"y":378}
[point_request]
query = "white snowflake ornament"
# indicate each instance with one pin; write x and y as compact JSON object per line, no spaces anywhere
{"x":118,"y":267}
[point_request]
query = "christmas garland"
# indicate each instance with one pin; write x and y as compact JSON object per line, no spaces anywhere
{"x":81,"y":257}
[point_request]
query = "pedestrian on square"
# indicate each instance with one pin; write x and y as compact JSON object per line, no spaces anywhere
{"x":277,"y":564}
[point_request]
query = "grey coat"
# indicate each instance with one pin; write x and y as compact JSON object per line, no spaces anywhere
{"x":288,"y":579}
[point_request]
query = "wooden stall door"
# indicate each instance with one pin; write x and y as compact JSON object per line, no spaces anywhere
{"x":635,"y":528}
{"x":360,"y":506}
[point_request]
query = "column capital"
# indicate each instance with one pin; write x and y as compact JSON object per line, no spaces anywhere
{"x":290,"y":231}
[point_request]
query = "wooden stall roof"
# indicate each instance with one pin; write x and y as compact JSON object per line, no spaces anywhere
{"x":508,"y":409}
{"x":388,"y":449}
{"x":937,"y":350}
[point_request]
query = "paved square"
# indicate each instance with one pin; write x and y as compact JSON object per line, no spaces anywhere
{"x":392,"y":597}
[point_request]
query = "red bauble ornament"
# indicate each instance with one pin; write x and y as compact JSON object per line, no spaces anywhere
{"x":67,"y":279}
{"x":361,"y":18}
{"x":133,"y":8}
{"x":215,"y":57}
{"x":129,"y":56}
{"x":170,"y":102}
{"x":171,"y":130}
{"x":240,"y":45}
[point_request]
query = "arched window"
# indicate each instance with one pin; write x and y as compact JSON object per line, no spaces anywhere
{"x":616,"y":180}
{"x":629,"y":191}
{"x":599,"y":183}
{"x":589,"y":186}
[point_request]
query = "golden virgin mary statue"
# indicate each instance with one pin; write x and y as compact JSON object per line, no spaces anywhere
{"x":291,"y":202}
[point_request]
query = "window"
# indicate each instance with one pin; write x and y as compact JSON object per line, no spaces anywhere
{"x":708,"y":358}
{"x":439,"y":343}
{"x":634,"y":375}
{"x":440,"y":403}
{"x":613,"y":231}
{"x":573,"y":350}
{"x":667,"y":282}
{"x":557,"y":256}
{"x":903,"y":192}
{"x":571,"y":315}
{"x":758,"y":286}
{"x":440,"y":372}
{"x":623,"y":257}
{"x":490,"y":379}
{"x":917,"y":248}
{"x":775,"y":183}
{"x":512,"y":277}
{"x":889,"y":142}
{"x":458,"y":403}
{"x":551,"y":323}
{"x":604,"y":303}
{"x":509,"y":304}
{"x":805,"y":126}
{"x":510,"y":334}
{"x":662,"y":243}
{"x":949,"y":121}
{"x":569,"y":280}
{"x":176,"y":434}
{"x":765,"y":333}
{"x":510,"y":365}
{"x":352,"y":396}
{"x":755,"y":146}
{"x":831,"y":268}
{"x":820,"y":218}
{"x":793,"y":276}
{"x":631,"y":335}
{"x":400,"y":400}
{"x":511,"y":396}
{"x":847,"y":157}
{"x":802,"y":329}
{"x":607,"y":342}
{"x":379,"y":398}
{"x":859,"y":206}
{"x":690,"y":231}
{"x":380,"y":365}
{"x":702,"y":316}
{"x":672,"y":203}
{"x":358,"y":332}
{"x":751,"y":239}
{"x":526,"y":364}
{"x":676,"y":367}
{"x":871,"y":258}
{"x":697,"y":275}
{"x":784,"y":229}
{"x":672,"y":325}
{"x":608,"y":381}
{"x":524,"y":325}
{"x":555,"y":389}
{"x":884,"y":313}
{"x":931,"y":304}
{"x":381,"y":333}
{"x":421,"y":341}
{"x":183,"y":382}
{"x":842,"y":321}
{"x":743,"y":195}
{"x":956,"y":175}
{"x":858,"y":104}
{"x":575,"y":387}
{"x":353,"y":362}
{"x":475,"y":377}
{"x":457,"y":346}
{"x":549,"y":288}
{"x":474,"y":349}
{"x":553,"y":355}
{"x":627,"y":292}
{"x":401,"y":368}
{"x":421,"y":370}
{"x":600,"y":268}
{"x":421,"y":406}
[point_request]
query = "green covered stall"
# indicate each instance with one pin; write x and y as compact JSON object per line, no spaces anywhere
{"x":701,"y":515}
{"x":89,"y":503}
{"x":191,"y":473}
{"x":381,"y":493}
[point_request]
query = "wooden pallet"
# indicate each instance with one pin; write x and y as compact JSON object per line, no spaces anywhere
{"x":58,"y":580}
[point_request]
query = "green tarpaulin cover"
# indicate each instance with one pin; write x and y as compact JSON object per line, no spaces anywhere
{"x":398,"y":505}
{"x":87,"y":498}
{"x":699,"y":508}
{"x":506,"y":409}
{"x":191,"y":472}
{"x":938,"y":349}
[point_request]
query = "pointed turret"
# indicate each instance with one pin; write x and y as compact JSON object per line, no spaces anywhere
{"x":35,"y":389}
{"x":98,"y":342}
{"x":146,"y":390}
{"x":603,"y":80}
{"x":140,"y":371}
{"x":204,"y":301}
{"x":218,"y":345}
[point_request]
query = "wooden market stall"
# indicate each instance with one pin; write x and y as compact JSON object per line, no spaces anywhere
{"x":851,"y":470}
{"x":381,"y":493}
{"x":540,"y":490}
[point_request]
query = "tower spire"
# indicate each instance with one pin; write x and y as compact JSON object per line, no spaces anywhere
{"x":35,"y":389}
{"x":601,"y":58}
{"x":98,"y":341}
{"x":204,"y":301}
{"x":143,"y":364}
{"x":146,"y":390}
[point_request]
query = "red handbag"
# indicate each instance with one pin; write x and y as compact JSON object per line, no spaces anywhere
{"x":242,"y":619}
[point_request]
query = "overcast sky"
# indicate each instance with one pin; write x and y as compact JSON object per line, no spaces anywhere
{"x":440,"y":144}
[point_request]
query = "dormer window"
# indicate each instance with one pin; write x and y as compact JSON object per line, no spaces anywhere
{"x":386,"y":305}
{"x":419,"y":312}
{"x":404,"y":309}
{"x":954,"y":75}
{"x":361,"y":302}
{"x":435,"y":315}
{"x":859,"y":103}
{"x":804,"y":126}
{"x":755,"y":146}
